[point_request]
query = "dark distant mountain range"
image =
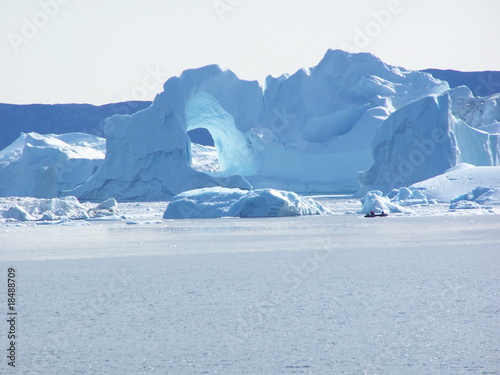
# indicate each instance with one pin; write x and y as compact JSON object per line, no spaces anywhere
{"x":481,"y":83}
{"x":67,"y":118}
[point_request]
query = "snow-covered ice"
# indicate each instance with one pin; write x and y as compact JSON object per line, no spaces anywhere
{"x":480,"y":197}
{"x":14,"y":209}
{"x":459,"y":180}
{"x":221,"y":202}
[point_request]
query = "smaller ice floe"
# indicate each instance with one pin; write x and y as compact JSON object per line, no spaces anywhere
{"x":464,"y":205}
{"x":30,"y":209}
{"x":17,"y":213}
{"x":480,"y":197}
{"x":56,"y":209}
{"x":219,"y":202}
{"x":147,"y":222}
{"x":376,"y":202}
{"x":408,"y":197}
{"x":107,"y":208}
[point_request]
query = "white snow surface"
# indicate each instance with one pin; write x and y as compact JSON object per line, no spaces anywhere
{"x":222,"y":202}
{"x":459,"y":180}
{"x":43,"y":166}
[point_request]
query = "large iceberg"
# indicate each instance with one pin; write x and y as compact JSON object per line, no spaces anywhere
{"x":222,"y":202}
{"x":148,"y":154}
{"x":43,"y":166}
{"x":350,"y":120}
{"x":429,"y":136}
{"x":308,"y":132}
{"x":413,"y":144}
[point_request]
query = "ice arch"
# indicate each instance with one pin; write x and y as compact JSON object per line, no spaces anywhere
{"x":234,"y":149}
{"x":148,"y":154}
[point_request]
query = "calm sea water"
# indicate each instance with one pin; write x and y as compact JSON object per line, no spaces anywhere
{"x":334,"y":295}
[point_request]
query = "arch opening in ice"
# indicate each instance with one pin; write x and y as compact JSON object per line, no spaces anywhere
{"x":234,"y":150}
{"x":203,"y":154}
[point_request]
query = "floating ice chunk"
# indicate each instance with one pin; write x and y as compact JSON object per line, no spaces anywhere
{"x":375,"y":201}
{"x":464,"y":205}
{"x":107,"y":204}
{"x":222,"y":202}
{"x":408,"y":197}
{"x":17,"y":213}
{"x":480,"y":195}
{"x":27,"y":209}
{"x":107,"y":209}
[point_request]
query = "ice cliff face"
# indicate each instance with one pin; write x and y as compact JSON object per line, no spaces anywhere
{"x":427,"y":137}
{"x":413,"y":144}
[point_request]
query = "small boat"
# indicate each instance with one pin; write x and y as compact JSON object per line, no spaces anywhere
{"x":373,"y":214}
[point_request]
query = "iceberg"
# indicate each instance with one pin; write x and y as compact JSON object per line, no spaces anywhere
{"x":408,"y":197}
{"x":222,"y":202}
{"x":429,"y":136}
{"x":351,"y":120}
{"x":376,"y":202}
{"x":43,"y":166}
{"x":476,"y":127}
{"x":308,"y":132}
{"x":413,"y":144}
{"x":28,"y":209}
{"x":148,"y":154}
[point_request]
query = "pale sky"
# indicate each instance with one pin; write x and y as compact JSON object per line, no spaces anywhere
{"x":102,"y":51}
